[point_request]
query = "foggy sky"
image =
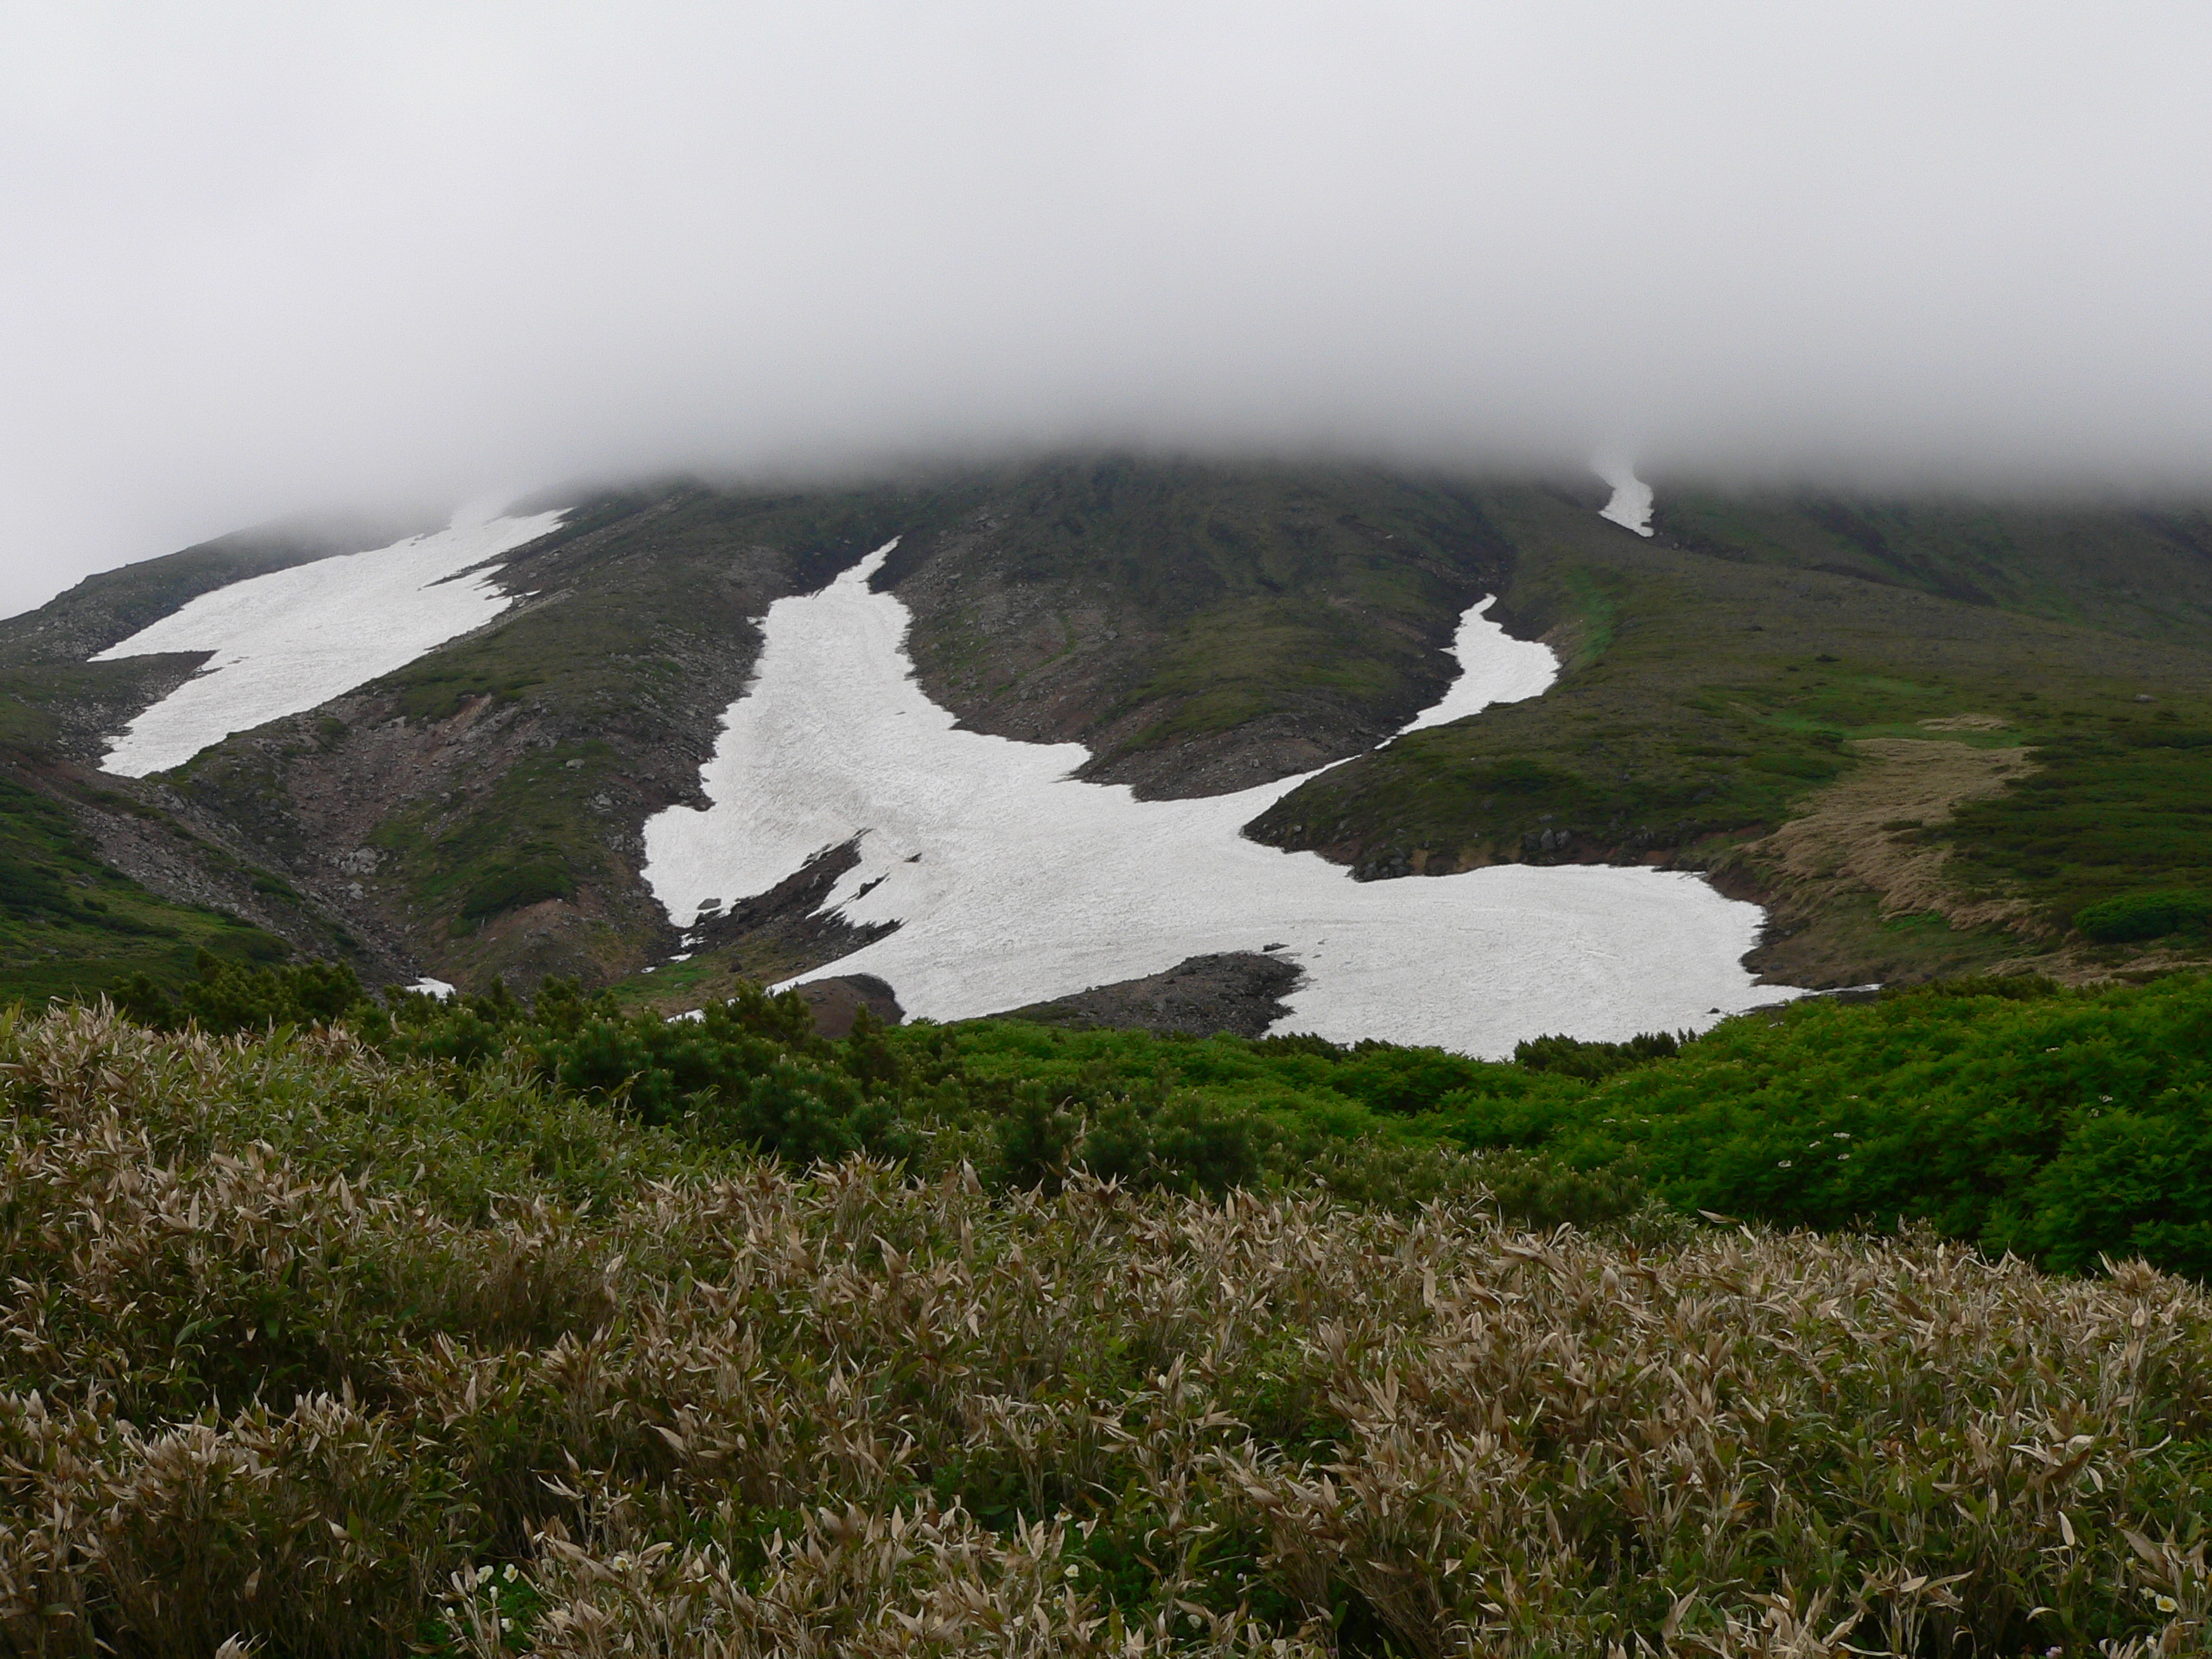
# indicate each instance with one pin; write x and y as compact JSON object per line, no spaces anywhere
{"x":257,"y":260}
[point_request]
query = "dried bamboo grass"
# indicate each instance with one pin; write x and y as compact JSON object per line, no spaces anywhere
{"x":763,"y":1414}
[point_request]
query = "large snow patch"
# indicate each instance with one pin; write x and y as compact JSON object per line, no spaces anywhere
{"x":288,"y":641}
{"x":1014,"y":882}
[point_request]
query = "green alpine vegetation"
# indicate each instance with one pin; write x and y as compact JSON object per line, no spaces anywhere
{"x":474,"y":1330}
{"x":71,"y":926}
{"x":1727,"y":677}
{"x":2013,"y":1115}
{"x":2111,"y":832}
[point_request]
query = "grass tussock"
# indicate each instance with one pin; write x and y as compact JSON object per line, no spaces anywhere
{"x":264,"y":1380}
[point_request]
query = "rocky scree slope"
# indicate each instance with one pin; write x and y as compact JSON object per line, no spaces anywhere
{"x":479,"y":812}
{"x":100,"y":878}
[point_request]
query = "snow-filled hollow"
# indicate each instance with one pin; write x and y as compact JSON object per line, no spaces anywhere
{"x":291,"y":640}
{"x":1493,"y":668}
{"x":1014,"y":882}
{"x":1630,"y":505}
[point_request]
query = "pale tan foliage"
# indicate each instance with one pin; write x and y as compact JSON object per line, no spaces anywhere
{"x":766,"y":1414}
{"x":1844,"y":833}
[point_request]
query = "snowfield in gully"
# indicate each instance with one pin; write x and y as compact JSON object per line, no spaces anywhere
{"x":287,"y":642}
{"x":1012,"y":881}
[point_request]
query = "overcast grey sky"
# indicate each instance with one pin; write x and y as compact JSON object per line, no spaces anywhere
{"x":260,"y":259}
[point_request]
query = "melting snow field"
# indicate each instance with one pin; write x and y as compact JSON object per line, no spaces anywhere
{"x":1492,"y":669}
{"x":1630,"y":505}
{"x":285,"y":642}
{"x":1014,"y":882}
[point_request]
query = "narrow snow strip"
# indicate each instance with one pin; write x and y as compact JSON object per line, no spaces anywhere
{"x":1016,"y":882}
{"x":436,"y":988}
{"x":285,"y":642}
{"x":1630,"y":507}
{"x":1493,"y":668}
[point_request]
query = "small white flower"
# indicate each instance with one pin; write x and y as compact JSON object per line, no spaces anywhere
{"x":1783,"y":1164}
{"x":2167,"y":1604}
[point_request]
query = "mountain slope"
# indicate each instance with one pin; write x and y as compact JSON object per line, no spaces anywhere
{"x":1197,"y":628}
{"x":483,"y":806}
{"x":104,"y":609}
{"x":2138,"y":568}
{"x":100,"y":880}
{"x":1202,"y":627}
{"x":1705,"y":700}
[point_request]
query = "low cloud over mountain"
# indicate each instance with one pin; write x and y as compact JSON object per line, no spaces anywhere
{"x":263,"y":260}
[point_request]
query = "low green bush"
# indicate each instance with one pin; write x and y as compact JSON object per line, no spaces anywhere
{"x":2067,"y":1126}
{"x":2138,"y":916}
{"x":2012,"y":1114}
{"x":510,"y":888}
{"x":232,"y":996}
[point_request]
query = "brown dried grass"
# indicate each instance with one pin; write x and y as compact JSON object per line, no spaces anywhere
{"x":757,"y":1413}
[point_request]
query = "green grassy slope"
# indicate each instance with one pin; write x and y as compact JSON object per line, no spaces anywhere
{"x":70,"y":925}
{"x":2141,"y":568}
{"x":1161,"y":602}
{"x":2120,"y":807}
{"x":1703,"y":699}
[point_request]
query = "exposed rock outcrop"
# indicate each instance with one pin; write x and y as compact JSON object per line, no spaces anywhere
{"x":1239,"y":992}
